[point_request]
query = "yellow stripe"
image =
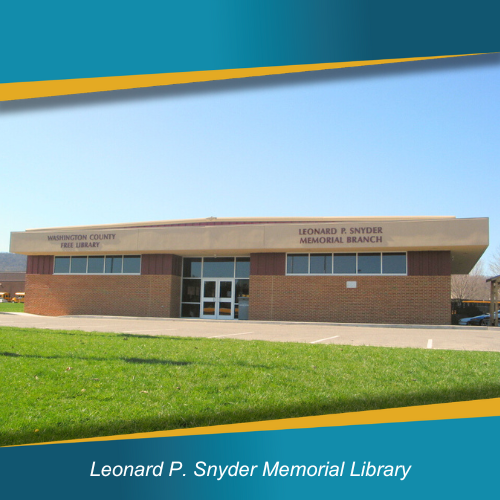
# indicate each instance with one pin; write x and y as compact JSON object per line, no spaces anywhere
{"x":465,"y":409}
{"x":29,"y":90}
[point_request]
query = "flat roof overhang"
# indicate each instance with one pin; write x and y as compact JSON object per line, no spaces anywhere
{"x":466,"y":239}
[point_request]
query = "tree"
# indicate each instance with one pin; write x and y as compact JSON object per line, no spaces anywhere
{"x":495,"y":263}
{"x":470,"y":286}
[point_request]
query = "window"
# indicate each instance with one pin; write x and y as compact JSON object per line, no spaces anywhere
{"x":242,"y":267}
{"x":113,"y":265}
{"x":96,"y":265}
{"x":191,"y":290}
{"x":131,"y":264}
{"x":218,"y":267}
{"x":78,"y":265}
{"x":347,"y":263}
{"x":344,"y":263}
{"x":321,"y":263}
{"x":297,"y":263}
{"x":369,"y":263}
{"x":394,"y":263}
{"x":61,"y":265}
{"x":110,"y":264}
{"x":194,"y":269}
{"x":190,"y":310}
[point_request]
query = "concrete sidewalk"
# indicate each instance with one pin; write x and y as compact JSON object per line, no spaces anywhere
{"x":419,"y":336}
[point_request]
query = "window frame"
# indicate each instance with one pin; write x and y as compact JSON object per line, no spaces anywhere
{"x":202,"y":277}
{"x":332,"y":273}
{"x":104,"y":273}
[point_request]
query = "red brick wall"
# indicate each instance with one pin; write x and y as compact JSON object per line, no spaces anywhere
{"x":150,"y":295}
{"x":377,"y":299}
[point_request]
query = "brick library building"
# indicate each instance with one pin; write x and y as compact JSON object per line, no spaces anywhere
{"x":385,"y":270}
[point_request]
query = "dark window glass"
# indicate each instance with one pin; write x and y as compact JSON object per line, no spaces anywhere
{"x":191,"y":290}
{"x":190,"y":310}
{"x":96,"y":265}
{"x":297,"y":264}
{"x":242,"y":289}
{"x":132,"y":264}
{"x":344,"y":263}
{"x":78,"y":265}
{"x":369,"y":263}
{"x":209,"y":308}
{"x":225,"y":308}
{"x":61,"y":265}
{"x":214,"y":267}
{"x":113,"y":265}
{"x":209,"y":289}
{"x":192,"y":268}
{"x":242,"y":267}
{"x":394,"y":263}
{"x":225,"y":289}
{"x":321,"y":264}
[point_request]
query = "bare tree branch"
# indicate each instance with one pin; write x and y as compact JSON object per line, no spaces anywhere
{"x":495,"y":263}
{"x":470,"y":286}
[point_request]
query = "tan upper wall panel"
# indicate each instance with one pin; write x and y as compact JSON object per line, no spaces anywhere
{"x":59,"y":242}
{"x":204,"y":240}
{"x":469,"y":236}
{"x":414,"y":234}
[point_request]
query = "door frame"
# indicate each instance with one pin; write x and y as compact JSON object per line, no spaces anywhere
{"x":217,"y":299}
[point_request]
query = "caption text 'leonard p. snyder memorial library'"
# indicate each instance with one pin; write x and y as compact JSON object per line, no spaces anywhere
{"x":348,"y":270}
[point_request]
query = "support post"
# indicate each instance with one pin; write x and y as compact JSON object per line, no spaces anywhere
{"x":495,"y":281}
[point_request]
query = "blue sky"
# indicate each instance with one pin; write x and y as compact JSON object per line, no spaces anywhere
{"x":418,"y":138}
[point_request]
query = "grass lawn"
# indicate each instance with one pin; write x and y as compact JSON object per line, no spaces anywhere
{"x":10,"y":307}
{"x":69,"y":384}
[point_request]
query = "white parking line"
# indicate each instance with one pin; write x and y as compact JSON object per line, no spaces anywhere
{"x":429,"y":344}
{"x":321,"y":340}
{"x":228,"y":334}
{"x":138,"y":331}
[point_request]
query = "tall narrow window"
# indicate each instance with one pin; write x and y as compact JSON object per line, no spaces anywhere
{"x":61,"y":265}
{"x":96,"y":265}
{"x":131,"y":264}
{"x":192,"y":268}
{"x":344,"y":263}
{"x":394,"y":263}
{"x":369,"y":263}
{"x":78,"y":265}
{"x":113,"y":264}
{"x":321,"y":263}
{"x":297,"y":263}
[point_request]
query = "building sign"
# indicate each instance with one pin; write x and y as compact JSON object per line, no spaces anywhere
{"x":70,"y":241}
{"x":341,"y":235}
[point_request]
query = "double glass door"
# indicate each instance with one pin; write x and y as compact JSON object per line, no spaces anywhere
{"x":217,"y":298}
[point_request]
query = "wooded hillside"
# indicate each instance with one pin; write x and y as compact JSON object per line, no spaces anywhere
{"x":12,"y":262}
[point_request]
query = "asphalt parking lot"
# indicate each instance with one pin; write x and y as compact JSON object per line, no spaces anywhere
{"x":424,"y":337}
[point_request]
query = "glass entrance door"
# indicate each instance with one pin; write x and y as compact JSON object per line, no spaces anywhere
{"x":217,"y":299}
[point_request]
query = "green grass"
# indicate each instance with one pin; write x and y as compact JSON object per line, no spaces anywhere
{"x":10,"y":307}
{"x":65,"y":385}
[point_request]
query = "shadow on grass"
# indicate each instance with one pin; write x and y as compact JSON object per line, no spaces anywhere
{"x":151,"y":361}
{"x":206,"y":417}
{"x":127,"y":336}
{"x":156,"y":361}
